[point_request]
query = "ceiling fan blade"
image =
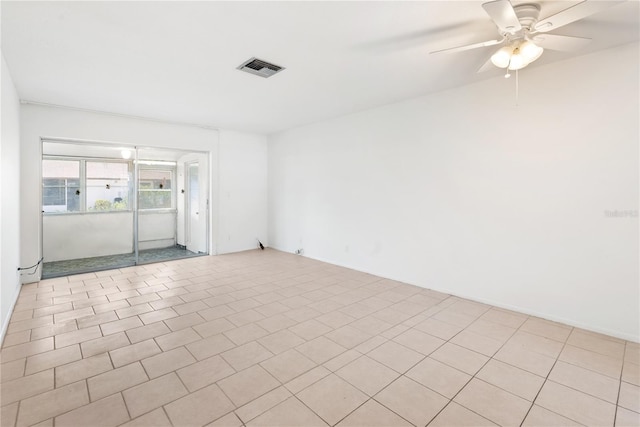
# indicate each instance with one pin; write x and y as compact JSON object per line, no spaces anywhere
{"x":412,"y":38}
{"x":468,"y":46}
{"x":572,"y":14}
{"x":503,"y":15}
{"x":561,"y":43}
{"x":486,"y":66}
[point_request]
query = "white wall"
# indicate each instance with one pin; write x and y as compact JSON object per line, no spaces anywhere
{"x":89,"y":235}
{"x":9,"y":197}
{"x":243,"y":191}
{"x":86,"y":235}
{"x":50,"y":122}
{"x":467,"y":193}
{"x":156,"y":229}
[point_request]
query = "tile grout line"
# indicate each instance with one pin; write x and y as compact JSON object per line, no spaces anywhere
{"x":311,"y":409}
{"x":16,"y":417}
{"x":126,"y":407}
{"x":164,"y":411}
{"x":410,"y":379}
{"x":363,"y":285}
{"x":615,"y":414}
{"x":322,"y":365}
{"x":407,"y":370}
{"x":474,"y":375}
{"x":533,"y":402}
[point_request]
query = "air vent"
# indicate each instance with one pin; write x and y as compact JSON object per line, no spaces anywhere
{"x":260,"y":68}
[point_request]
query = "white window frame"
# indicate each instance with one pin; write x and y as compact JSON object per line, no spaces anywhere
{"x":83,"y":208}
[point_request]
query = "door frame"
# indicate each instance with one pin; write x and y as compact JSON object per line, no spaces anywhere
{"x":205,"y":158}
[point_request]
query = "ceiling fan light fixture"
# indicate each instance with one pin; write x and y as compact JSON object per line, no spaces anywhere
{"x":530,"y":51}
{"x":502,"y":57}
{"x":522,"y":32}
{"x":518,"y":61}
{"x":516,"y":55}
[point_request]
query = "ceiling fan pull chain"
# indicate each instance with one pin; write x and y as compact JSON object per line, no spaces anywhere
{"x":517,"y":88}
{"x":506,"y":76}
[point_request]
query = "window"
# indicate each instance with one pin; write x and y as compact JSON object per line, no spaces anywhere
{"x":107,"y":186}
{"x":85,"y":185}
{"x":155,"y":189}
{"x":90,"y":185}
{"x":60,"y":185}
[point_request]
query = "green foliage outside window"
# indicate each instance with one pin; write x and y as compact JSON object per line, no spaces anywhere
{"x":106,"y":205}
{"x":154,"y":199}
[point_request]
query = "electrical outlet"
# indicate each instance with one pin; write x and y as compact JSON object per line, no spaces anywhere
{"x":299,"y":251}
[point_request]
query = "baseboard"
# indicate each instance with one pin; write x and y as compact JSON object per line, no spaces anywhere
{"x":5,"y":323}
{"x":547,"y":316}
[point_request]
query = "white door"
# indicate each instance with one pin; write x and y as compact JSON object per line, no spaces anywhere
{"x":196,"y":210}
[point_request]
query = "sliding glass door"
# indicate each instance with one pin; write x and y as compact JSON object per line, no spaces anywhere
{"x":109,"y":207}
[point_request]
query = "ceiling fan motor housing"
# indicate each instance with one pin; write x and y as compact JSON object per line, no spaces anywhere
{"x":527,"y":14}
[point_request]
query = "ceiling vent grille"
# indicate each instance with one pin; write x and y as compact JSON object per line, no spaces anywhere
{"x":260,"y":68}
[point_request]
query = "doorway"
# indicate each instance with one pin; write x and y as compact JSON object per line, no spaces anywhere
{"x":107,"y":206}
{"x":196,"y":226}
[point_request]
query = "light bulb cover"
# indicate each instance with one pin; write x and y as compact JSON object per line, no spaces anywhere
{"x":126,"y":154}
{"x":502,"y":57}
{"x":530,"y":51}
{"x":518,"y":61}
{"x":517,"y":55}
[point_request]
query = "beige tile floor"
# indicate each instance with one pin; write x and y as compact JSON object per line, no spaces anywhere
{"x":273,"y":339}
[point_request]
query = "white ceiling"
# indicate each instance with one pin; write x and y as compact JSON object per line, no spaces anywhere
{"x":177,"y":60}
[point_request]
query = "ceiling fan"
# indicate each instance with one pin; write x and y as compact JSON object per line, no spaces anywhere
{"x":524,"y":37}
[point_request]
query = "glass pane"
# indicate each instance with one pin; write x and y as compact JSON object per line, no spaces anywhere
{"x":194,"y":191}
{"x":60,"y":185}
{"x":155,"y":189}
{"x":156,"y":179}
{"x":53,"y":191}
{"x":107,"y":186}
{"x":60,"y":168}
{"x":110,"y":170}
